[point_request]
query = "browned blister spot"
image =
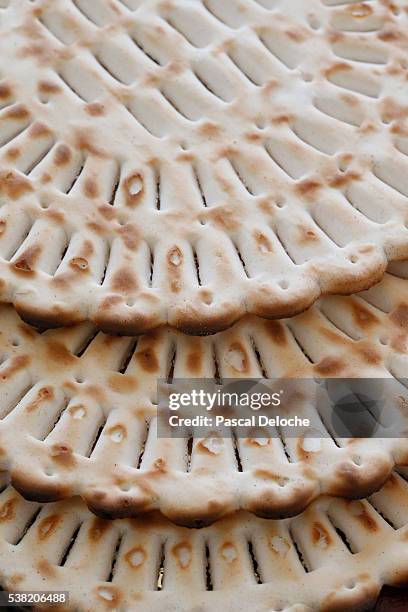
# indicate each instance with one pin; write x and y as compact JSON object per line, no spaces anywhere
{"x":307,"y":188}
{"x":46,"y":569}
{"x":276,"y":331}
{"x":59,"y":354}
{"x":329,"y":366}
{"x":369,"y":354}
{"x":360,"y":10}
{"x":122,"y":384}
{"x":79,"y":263}
{"x":135,"y":557}
{"x":263,"y":243}
{"x":13,"y":153}
{"x":43,"y":395}
{"x":360,"y":512}
{"x":48,"y":87}
{"x":63,"y":155}
{"x":91,"y":189}
{"x":224,"y":216}
{"x":399,"y":316}
{"x":147,"y":359}
{"x":194,"y":361}
{"x":335,"y":68}
{"x":26,"y":261}
{"x":183,"y":554}
{"x":7,"y":510}
{"x":5,"y":91}
{"x":63,"y":454}
{"x":130,"y":235}
{"x":98,"y":528}
{"x":363,"y":316}
{"x":95,"y":109}
{"x":47,"y":526}
{"x":13,"y":185}
{"x":17,"y":112}
{"x":133,"y":188}
{"x":320,"y":536}
{"x":39,"y":130}
{"x":307,"y":234}
{"x":124,"y":281}
{"x":17,"y":363}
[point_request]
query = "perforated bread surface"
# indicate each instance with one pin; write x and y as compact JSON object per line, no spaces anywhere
{"x":79,"y":416}
{"x":188,"y":162}
{"x":334,"y":557}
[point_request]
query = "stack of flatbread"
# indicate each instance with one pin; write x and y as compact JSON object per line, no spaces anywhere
{"x":200,"y":189}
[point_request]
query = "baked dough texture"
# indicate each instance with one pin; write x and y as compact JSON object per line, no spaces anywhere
{"x":78,"y":413}
{"x":333,"y":557}
{"x":188,"y":162}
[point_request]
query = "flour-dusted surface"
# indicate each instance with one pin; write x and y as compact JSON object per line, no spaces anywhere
{"x":335,"y":556}
{"x":187,"y":162}
{"x":78,"y":413}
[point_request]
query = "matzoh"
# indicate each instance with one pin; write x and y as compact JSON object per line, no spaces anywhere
{"x":334,"y":557}
{"x":187,"y":162}
{"x":78,"y":413}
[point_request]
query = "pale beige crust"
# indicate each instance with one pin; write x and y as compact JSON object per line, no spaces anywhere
{"x":332,"y":558}
{"x":78,"y":415}
{"x":186,"y":163}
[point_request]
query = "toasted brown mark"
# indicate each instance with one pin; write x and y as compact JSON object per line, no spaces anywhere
{"x":3,"y":226}
{"x":46,"y":568}
{"x":48,"y":87}
{"x":130,"y":235}
{"x":17,"y":112}
{"x":133,"y":188}
{"x":98,"y":528}
{"x":224,"y":216}
{"x":83,"y":142}
{"x":17,"y":364}
{"x":91,"y":189}
{"x":63,"y":155}
{"x":5,"y":91}
{"x":39,"y":130}
{"x":47,"y":526}
{"x":58,"y":353}
{"x":307,"y":234}
{"x":399,"y":316}
{"x":360,"y":10}
{"x":95,"y":109}
{"x":136,"y":556}
{"x":337,"y":67}
{"x":329,"y":366}
{"x":147,"y":359}
{"x":263,"y":242}
{"x":124,"y":281}
{"x":178,"y":551}
{"x":62,"y":454}
{"x":13,"y":153}
{"x":13,"y":186}
{"x":7,"y":510}
{"x":194,"y":361}
{"x":320,"y":532}
{"x":44,"y":394}
{"x":362,"y":316}
{"x":26,"y":261}
{"x":369,"y":354}
{"x":363,"y":516}
{"x":114,"y":596}
{"x":79,"y":264}
{"x":276,"y":331}
{"x":122,"y":384}
{"x":342,"y":179}
{"x":307,"y":187}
